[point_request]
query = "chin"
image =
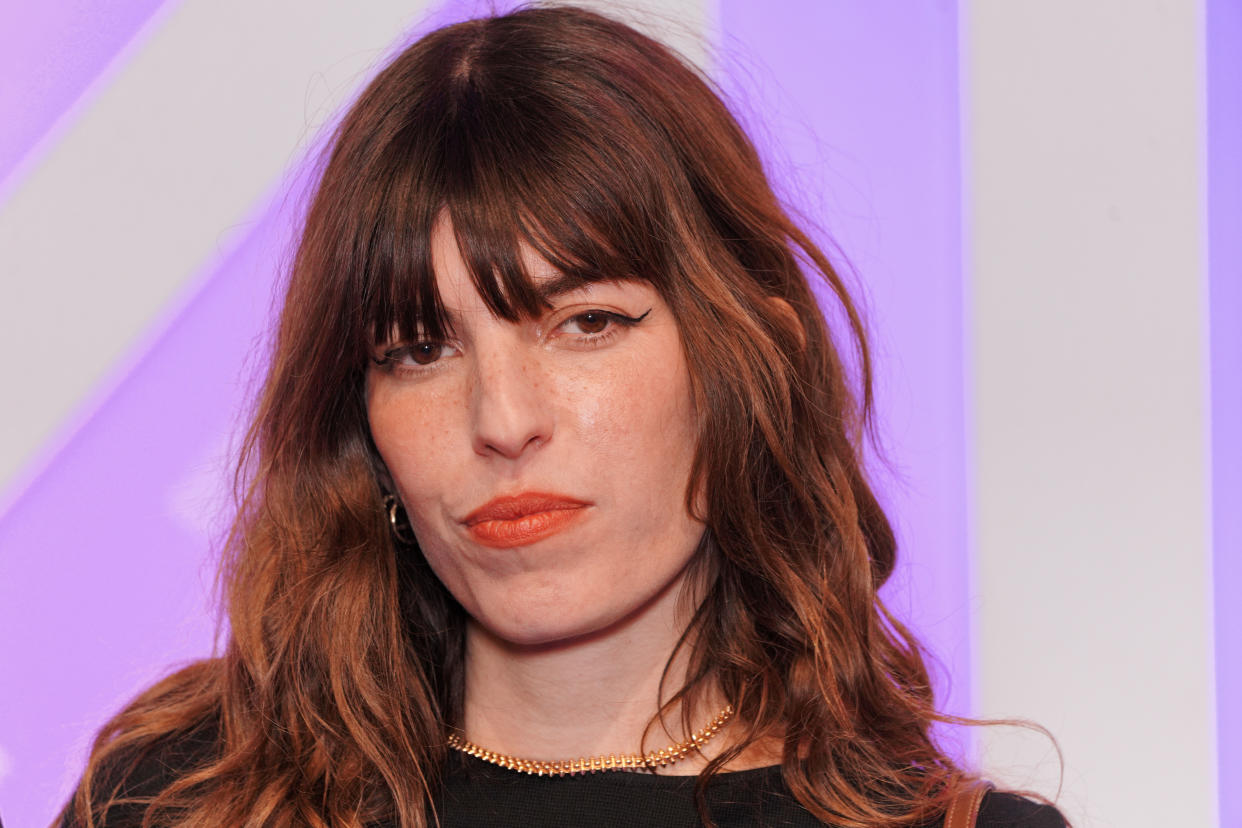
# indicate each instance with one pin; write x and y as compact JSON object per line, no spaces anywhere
{"x":574,"y":605}
{"x":540,"y":632}
{"x":538,"y":624}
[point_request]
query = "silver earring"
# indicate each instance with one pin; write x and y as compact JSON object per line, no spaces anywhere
{"x":398,"y":520}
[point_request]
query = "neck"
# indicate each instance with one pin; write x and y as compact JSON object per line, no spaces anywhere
{"x":589,"y":696}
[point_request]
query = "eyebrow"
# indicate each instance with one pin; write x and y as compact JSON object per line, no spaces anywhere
{"x":558,"y":285}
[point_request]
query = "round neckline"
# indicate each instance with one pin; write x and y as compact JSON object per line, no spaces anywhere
{"x":475,"y":768}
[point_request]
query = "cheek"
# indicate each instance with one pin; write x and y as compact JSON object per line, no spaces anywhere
{"x":414,"y":438}
{"x":419,"y":441}
{"x":637,"y":424}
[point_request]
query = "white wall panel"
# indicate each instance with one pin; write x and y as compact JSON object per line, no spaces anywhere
{"x":154,"y":179}
{"x":1084,"y":202}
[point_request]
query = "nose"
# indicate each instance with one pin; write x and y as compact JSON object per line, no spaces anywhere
{"x":510,"y":410}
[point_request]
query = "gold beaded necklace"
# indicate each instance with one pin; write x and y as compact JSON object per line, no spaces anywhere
{"x":568,"y":767}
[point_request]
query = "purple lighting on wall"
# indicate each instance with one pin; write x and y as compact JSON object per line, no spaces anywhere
{"x":106,"y":566}
{"x":855,"y":108}
{"x":50,"y":54}
{"x":1224,"y":175}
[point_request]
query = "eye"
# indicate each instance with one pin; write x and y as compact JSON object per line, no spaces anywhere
{"x":425,"y":353}
{"x":418,"y":356}
{"x":594,"y":325}
{"x":591,"y":322}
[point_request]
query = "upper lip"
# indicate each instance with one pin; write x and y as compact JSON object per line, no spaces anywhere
{"x":512,"y":507}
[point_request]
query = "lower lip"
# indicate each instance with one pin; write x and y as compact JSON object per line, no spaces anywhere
{"x":504,"y":534}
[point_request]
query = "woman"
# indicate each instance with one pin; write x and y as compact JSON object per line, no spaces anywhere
{"x":556,"y":469}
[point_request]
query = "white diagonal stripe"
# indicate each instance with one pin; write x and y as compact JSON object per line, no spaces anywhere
{"x":152,"y":181}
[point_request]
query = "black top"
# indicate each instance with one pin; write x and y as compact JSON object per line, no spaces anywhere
{"x":480,"y":795}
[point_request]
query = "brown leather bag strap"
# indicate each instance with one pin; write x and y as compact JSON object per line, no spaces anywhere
{"x":964,"y":806}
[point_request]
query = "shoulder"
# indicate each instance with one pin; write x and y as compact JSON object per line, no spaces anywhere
{"x":139,"y":774}
{"x":1000,"y":809}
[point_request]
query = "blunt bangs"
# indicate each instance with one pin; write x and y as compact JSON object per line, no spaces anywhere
{"x":498,"y":150}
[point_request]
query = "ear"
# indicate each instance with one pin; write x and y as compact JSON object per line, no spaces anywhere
{"x":790,"y":317}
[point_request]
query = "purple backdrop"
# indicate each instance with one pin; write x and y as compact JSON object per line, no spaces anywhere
{"x":106,"y":569}
{"x":50,"y":54}
{"x":1224,"y":169}
{"x":855,"y":106}
{"x":107,"y":553}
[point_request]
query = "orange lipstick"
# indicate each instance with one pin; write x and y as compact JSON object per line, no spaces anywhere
{"x":522,"y":519}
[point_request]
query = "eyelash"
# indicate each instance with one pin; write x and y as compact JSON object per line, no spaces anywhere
{"x":391,"y":360}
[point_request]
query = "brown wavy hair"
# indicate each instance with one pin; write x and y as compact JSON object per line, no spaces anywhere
{"x":612,"y":158}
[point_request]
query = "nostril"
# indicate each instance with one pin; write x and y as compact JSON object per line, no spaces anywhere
{"x":511,"y":424}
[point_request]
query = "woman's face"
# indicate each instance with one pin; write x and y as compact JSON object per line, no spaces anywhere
{"x":543,"y":463}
